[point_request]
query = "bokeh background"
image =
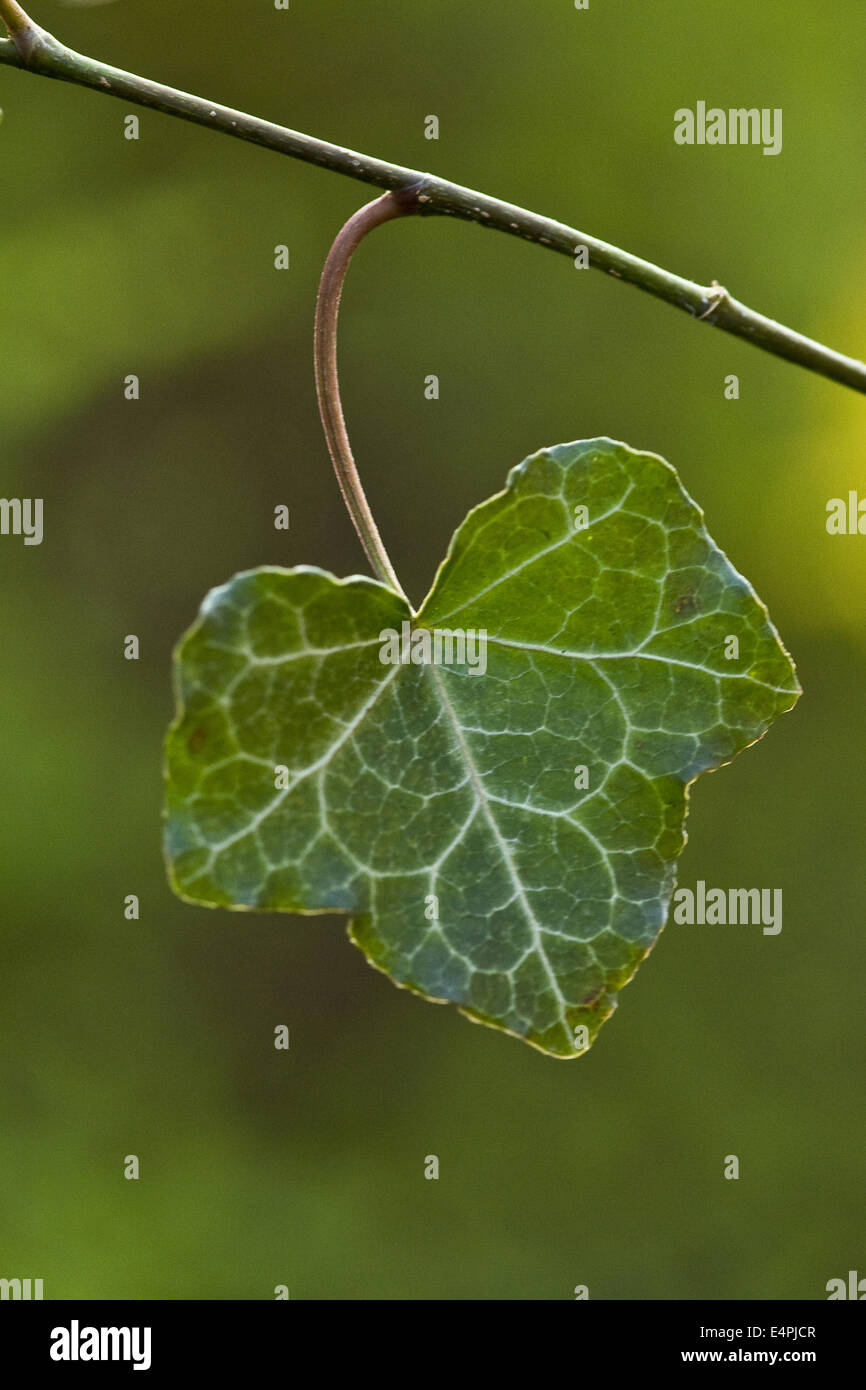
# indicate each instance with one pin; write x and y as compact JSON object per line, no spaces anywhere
{"x":155,"y":257}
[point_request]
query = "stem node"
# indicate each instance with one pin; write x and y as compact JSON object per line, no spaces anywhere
{"x":33,"y":48}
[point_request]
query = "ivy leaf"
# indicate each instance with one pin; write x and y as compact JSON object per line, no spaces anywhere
{"x":501,"y":840}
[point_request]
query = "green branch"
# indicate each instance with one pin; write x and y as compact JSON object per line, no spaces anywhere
{"x":33,"y":49}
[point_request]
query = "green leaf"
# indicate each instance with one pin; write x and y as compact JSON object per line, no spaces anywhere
{"x":411,"y":786}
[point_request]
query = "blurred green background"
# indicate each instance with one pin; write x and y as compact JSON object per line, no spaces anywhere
{"x":155,"y":257}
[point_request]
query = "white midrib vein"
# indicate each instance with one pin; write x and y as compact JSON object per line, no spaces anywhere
{"x":253,"y":824}
{"x":637,"y":655}
{"x":502,"y":844}
{"x":530,"y":559}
